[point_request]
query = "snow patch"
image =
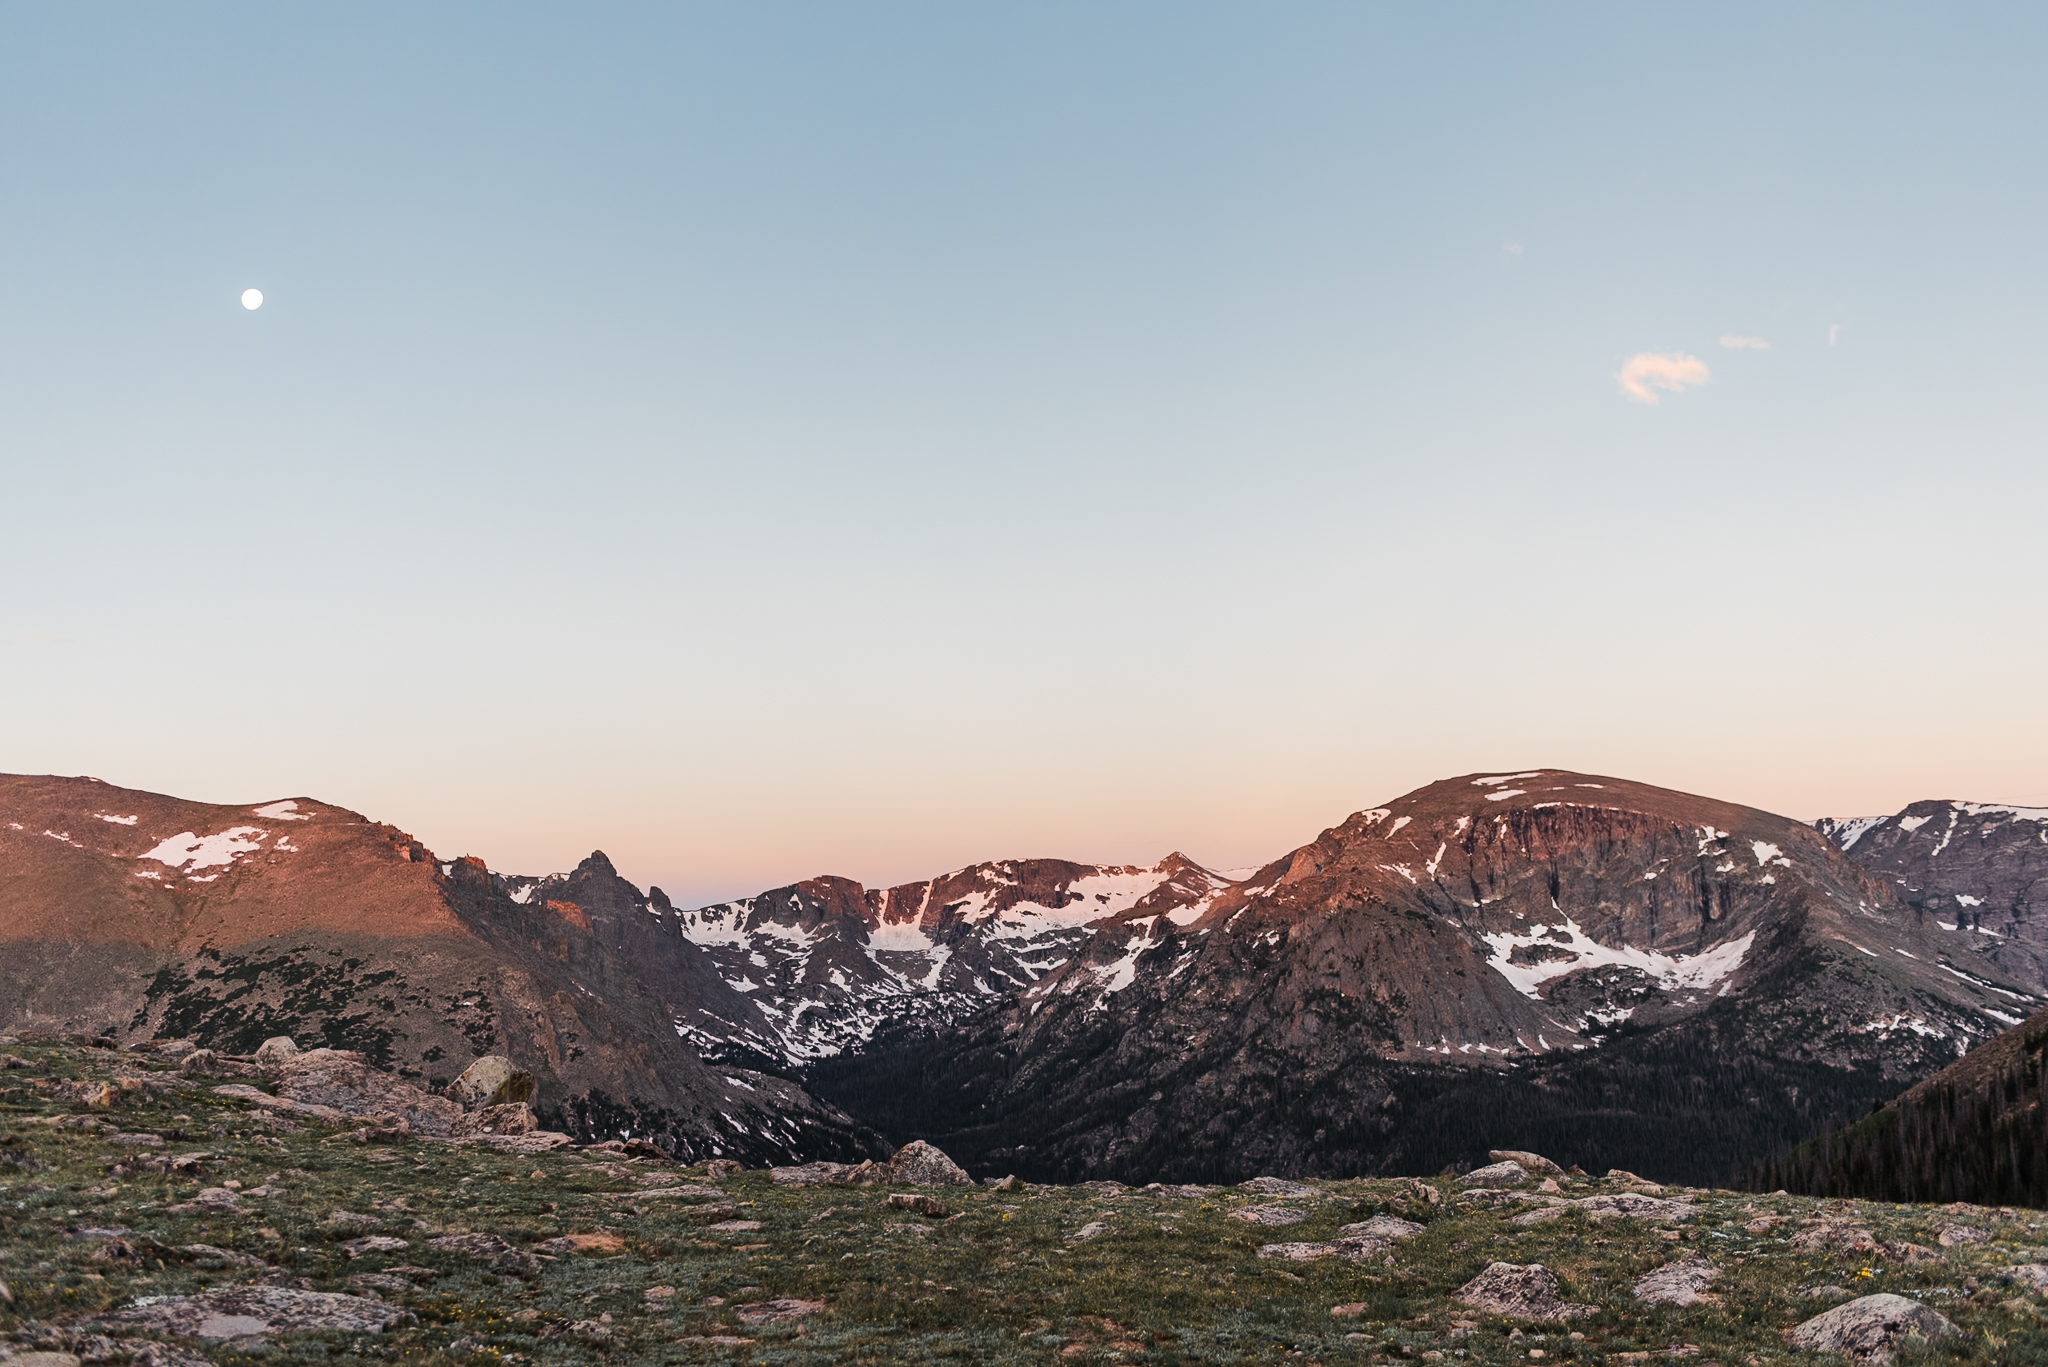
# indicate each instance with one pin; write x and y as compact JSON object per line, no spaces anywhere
{"x":117,"y":820}
{"x":1498,"y":779}
{"x":199,"y":852}
{"x":1503,"y":796}
{"x":1851,"y":829}
{"x":1672,"y":972}
{"x":282,"y":811}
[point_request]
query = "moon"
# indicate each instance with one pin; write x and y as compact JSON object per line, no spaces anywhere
{"x":252,"y":299}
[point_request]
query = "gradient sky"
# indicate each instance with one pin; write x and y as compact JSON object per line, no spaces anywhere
{"x":768,"y":440}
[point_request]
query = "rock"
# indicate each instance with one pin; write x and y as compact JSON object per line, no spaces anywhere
{"x":372,"y":1243}
{"x":1269,"y":1215}
{"x":1827,"y":1293}
{"x":222,"y":1255}
{"x":1543,"y":1215}
{"x":584,"y":1243}
{"x":511,"y":1118}
{"x":807,"y":1174}
{"x":1277,"y":1186}
{"x":722,"y":1167}
{"x":381,"y":1281}
{"x":1831,"y":1236}
{"x":736,"y":1226}
{"x":772,"y":1312}
{"x":340,"y":1079}
{"x":1532,"y":1162}
{"x":1681,"y":1282}
{"x":1961,"y":1234}
{"x":38,"y":1359}
{"x":1088,"y":1231}
{"x":1495,"y":1175}
{"x":242,"y":1091}
{"x":1009,"y":1183}
{"x":1381,"y":1227}
{"x":503,"y":1257}
{"x":1519,"y":1292}
{"x":239,"y":1312}
{"x":1349,"y":1311}
{"x":348,"y":1219}
{"x":1634,"y":1206}
{"x":275,"y":1050}
{"x":923,"y":1205}
{"x":1623,"y":1175}
{"x":83,"y":1092}
{"x":920,"y":1164}
{"x":1869,"y":1328}
{"x":1909,"y":1253}
{"x":1357,"y":1250}
{"x":2031,"y":1275}
{"x":1550,"y":1187}
{"x":492,"y":1080}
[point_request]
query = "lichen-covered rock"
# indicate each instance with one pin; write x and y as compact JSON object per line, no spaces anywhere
{"x":492,"y":1080}
{"x":1277,"y":1186}
{"x":1357,"y":1250}
{"x":512,"y":1118}
{"x":1834,"y":1236}
{"x":1519,"y":1292}
{"x":1680,"y":1282}
{"x":275,"y":1050}
{"x":1634,"y":1206}
{"x":924,"y":1165}
{"x":1381,"y":1227}
{"x":1269,"y":1215}
{"x":1533,"y":1162}
{"x":1869,"y":1328}
{"x":242,"y":1311}
{"x":1495,"y":1175}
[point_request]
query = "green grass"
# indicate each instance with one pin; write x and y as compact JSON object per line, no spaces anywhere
{"x":1173,"y":1280}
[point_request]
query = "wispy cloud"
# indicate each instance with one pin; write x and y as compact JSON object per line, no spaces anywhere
{"x":1511,"y":248}
{"x":1834,"y":331}
{"x":1646,"y":372}
{"x":1745,"y":343}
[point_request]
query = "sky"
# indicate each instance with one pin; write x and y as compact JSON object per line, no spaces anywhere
{"x":761,"y":441}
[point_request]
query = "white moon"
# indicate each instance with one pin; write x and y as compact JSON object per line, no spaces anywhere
{"x":252,"y":299}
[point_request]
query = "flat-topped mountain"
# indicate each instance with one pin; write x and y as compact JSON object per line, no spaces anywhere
{"x":137,"y":914}
{"x":1980,"y":870}
{"x":1497,"y":960}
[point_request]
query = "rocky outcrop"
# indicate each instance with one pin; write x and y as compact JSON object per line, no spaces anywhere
{"x":1871,"y":1329}
{"x":1519,"y":1292}
{"x":1681,"y":1282}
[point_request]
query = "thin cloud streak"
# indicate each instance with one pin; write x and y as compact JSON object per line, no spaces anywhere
{"x":1734,"y":343}
{"x":1646,"y":372}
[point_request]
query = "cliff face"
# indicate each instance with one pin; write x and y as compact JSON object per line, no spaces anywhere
{"x":142,"y":915}
{"x":1977,"y":869}
{"x":1490,"y":959}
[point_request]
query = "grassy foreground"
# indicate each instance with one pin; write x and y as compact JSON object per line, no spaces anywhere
{"x":94,"y":1215}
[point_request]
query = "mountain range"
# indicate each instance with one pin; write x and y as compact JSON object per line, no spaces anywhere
{"x":1580,"y":964}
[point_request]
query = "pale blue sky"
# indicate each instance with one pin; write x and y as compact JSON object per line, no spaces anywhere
{"x":770,"y":440}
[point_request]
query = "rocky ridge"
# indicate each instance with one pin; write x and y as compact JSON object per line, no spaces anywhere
{"x":1978,"y":870}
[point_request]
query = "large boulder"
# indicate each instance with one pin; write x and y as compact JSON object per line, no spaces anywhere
{"x":341,"y":1079}
{"x":275,"y":1051}
{"x":1680,"y":1282}
{"x":1495,"y":1175}
{"x":919,"y":1164}
{"x":1533,"y":1162}
{"x":1519,"y":1292}
{"x":492,"y":1080}
{"x":1869,"y":1328}
{"x":515,"y":1118}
